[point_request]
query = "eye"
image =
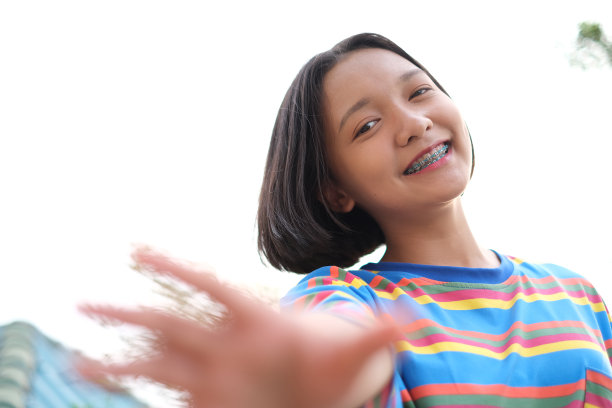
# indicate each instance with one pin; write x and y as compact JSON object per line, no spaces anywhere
{"x":365,"y":128}
{"x":420,"y":92}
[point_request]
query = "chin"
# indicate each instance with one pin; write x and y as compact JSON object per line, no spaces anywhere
{"x":454,"y":183}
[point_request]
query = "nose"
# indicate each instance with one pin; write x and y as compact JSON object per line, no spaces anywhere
{"x":413,"y":125}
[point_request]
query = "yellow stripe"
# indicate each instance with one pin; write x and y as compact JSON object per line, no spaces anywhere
{"x":514,"y":348}
{"x":483,"y":303}
{"x":479,"y":303}
{"x":587,"y":405}
{"x":517,"y":260}
{"x":356,"y":283}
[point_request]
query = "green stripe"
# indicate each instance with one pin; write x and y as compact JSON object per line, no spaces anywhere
{"x":377,"y":401}
{"x":308,"y":299}
{"x":600,"y":390}
{"x":382,"y":284}
{"x":498,"y":401}
{"x":586,"y":289}
{"x":430,"y":330}
{"x":318,"y":281}
{"x":447,"y":288}
{"x":342,"y":274}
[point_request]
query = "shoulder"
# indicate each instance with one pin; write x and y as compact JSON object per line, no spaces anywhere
{"x":336,"y":275}
{"x":334,"y":291}
{"x":537,"y":270}
{"x":552,"y":278}
{"x":332,"y":279}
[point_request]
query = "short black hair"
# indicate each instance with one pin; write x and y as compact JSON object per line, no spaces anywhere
{"x":298,"y":231}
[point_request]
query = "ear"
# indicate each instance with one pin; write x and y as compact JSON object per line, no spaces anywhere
{"x":337,"y":199}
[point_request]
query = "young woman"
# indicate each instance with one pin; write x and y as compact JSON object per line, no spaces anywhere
{"x":368,"y":149}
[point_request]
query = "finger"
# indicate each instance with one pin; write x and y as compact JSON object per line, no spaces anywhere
{"x":163,"y":370}
{"x":206,"y":390}
{"x":382,"y":334}
{"x":202,"y":281}
{"x":176,"y":332}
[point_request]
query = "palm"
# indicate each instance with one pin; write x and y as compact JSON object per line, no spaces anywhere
{"x":259,"y":359}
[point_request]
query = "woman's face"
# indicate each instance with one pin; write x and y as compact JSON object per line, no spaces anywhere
{"x":396,"y":144}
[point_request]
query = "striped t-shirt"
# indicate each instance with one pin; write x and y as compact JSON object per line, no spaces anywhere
{"x":520,"y":335}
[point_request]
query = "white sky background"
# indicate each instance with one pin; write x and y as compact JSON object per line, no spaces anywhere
{"x":148,"y":121}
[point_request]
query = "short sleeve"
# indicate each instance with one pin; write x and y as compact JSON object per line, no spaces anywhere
{"x":584,"y":291}
{"x":338,"y":292}
{"x":605,"y":324}
{"x":333,"y":291}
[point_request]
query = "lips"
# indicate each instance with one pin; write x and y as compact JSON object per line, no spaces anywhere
{"x":428,"y":158}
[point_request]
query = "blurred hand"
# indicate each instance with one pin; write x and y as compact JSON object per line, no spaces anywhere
{"x":259,"y":359}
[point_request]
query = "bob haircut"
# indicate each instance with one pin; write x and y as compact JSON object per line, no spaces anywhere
{"x":298,"y":231}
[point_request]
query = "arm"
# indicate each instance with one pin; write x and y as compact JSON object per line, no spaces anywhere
{"x":262,"y":358}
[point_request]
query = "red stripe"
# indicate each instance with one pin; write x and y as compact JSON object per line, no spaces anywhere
{"x":418,"y":282}
{"x":576,"y":281}
{"x":376,"y":281}
{"x":318,"y":298}
{"x":321,"y":296}
{"x":497,"y":389}
{"x":390,"y":287}
{"x":405,"y":396}
{"x":490,"y":294}
{"x":551,"y":278}
{"x":573,"y":404}
{"x":465,"y":294}
{"x":600,"y":379}
{"x":329,"y":280}
{"x":424,"y":323}
{"x":527,"y":343}
{"x":537,"y":281}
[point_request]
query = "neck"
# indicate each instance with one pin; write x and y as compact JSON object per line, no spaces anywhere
{"x":438,"y":237}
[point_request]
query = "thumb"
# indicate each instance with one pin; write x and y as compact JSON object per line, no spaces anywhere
{"x":384,"y":332}
{"x":358,"y":351}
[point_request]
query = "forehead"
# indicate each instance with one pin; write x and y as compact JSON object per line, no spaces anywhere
{"x":361,"y":74}
{"x":368,"y":62}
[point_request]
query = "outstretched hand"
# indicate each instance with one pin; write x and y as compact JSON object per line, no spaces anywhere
{"x":259,"y":359}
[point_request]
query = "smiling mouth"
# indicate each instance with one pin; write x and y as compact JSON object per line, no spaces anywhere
{"x":428,"y":159}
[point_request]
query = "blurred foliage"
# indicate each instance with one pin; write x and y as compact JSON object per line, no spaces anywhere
{"x":590,"y":31}
{"x":592,"y":46}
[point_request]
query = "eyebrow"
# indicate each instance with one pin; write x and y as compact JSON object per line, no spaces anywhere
{"x":364,"y":101}
{"x":407,"y":75}
{"x":360,"y":104}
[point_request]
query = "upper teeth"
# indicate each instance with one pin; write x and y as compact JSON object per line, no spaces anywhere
{"x":428,"y":159}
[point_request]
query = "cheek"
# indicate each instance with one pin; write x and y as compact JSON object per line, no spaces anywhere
{"x":360,"y":175}
{"x":452,"y":115}
{"x":357,"y":175}
{"x":452,"y":120}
